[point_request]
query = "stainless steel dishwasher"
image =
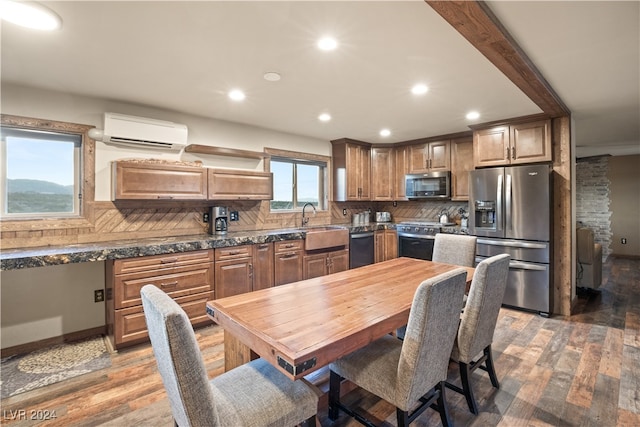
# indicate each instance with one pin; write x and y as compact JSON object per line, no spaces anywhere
{"x":361,"y":249}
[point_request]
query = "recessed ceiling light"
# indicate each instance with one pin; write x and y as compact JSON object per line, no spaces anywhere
{"x":327,"y":43}
{"x":473,"y":115}
{"x":419,"y":89}
{"x":324,"y":117}
{"x":237,"y":95}
{"x":385,"y":132}
{"x":30,"y":15}
{"x":272,"y":76}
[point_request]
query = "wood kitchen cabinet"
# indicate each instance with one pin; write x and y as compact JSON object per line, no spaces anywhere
{"x":382,"y":173}
{"x":513,"y":144}
{"x":386,"y":245}
{"x":351,"y":165}
{"x":461,"y":164}
{"x":187,"y":277}
{"x":401,"y":168}
{"x":288,"y":259}
{"x":241,"y":269}
{"x":133,"y":180}
{"x":429,"y":157}
{"x":233,"y":270}
{"x":262,"y":266}
{"x":321,"y":263}
{"x":227,"y":184}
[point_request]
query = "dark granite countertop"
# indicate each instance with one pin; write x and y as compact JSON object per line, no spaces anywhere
{"x":15,"y":259}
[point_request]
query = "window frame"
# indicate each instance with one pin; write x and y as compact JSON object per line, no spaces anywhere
{"x":302,"y":158}
{"x":86,"y":182}
{"x":46,"y":138}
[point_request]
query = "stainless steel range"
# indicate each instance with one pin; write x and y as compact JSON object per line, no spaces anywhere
{"x":415,"y":239}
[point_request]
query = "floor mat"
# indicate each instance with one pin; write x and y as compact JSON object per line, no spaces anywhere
{"x":24,"y":372}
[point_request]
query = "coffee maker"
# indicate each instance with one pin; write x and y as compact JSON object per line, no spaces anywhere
{"x":219,"y":217}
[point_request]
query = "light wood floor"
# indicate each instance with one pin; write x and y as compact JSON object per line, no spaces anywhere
{"x":580,"y":371}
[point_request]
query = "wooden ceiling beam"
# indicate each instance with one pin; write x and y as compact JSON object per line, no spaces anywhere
{"x":476,"y":23}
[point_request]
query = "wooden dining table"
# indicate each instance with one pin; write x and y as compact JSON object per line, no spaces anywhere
{"x":301,"y":327}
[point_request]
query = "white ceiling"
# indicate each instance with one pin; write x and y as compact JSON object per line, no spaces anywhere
{"x":186,"y":56}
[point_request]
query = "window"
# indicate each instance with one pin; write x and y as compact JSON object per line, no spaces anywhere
{"x":298,"y":181}
{"x":40,"y":173}
{"x":46,"y":173}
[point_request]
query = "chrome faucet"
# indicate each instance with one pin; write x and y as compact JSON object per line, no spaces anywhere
{"x":305,"y":220}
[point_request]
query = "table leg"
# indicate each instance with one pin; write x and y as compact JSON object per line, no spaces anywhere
{"x":235,"y":352}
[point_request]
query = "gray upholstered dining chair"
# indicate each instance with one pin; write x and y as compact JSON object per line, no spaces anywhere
{"x":254,"y":394}
{"x":472,"y":347}
{"x":409,"y":374}
{"x":455,"y":249}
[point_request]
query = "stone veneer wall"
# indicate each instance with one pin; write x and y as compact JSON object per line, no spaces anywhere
{"x":593,"y":200}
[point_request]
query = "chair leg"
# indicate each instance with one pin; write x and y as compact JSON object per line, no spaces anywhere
{"x":442,"y":404}
{"x":465,"y":373}
{"x":490,"y":368}
{"x":334,"y":395}
{"x":403,"y":418}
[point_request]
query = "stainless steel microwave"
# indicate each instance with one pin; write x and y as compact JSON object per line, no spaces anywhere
{"x":432,"y":185}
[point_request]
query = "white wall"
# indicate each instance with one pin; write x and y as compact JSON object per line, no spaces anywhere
{"x":47,"y":302}
{"x":43,"y":104}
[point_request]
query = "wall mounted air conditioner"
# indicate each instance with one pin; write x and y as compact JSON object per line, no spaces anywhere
{"x":131,"y":130}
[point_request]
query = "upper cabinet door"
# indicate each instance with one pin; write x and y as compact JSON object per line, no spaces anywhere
{"x":351,"y":166}
{"x":157,"y":181}
{"x":491,"y":146}
{"x":227,"y":184}
{"x":382,"y":173}
{"x":429,"y":157}
{"x":461,"y":164}
{"x":439,"y":157}
{"x":418,"y":158}
{"x":531,"y":142}
{"x":401,"y":169}
{"x":514,"y":144}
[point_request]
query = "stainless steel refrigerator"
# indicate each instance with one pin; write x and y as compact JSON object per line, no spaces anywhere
{"x":511,"y":212}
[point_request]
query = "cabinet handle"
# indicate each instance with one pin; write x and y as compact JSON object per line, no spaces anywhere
{"x":513,"y":153}
{"x":289,"y":245}
{"x":250,"y":270}
{"x":289,"y":255}
{"x":170,"y":284}
{"x":165,"y":197}
{"x":508,"y":157}
{"x":263,"y":246}
{"x":168,"y":260}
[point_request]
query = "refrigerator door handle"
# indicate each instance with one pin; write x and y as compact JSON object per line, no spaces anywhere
{"x":498,"y":218}
{"x":527,"y":245}
{"x":508,"y":204}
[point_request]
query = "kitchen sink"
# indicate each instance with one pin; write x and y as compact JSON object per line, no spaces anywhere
{"x":322,"y":237}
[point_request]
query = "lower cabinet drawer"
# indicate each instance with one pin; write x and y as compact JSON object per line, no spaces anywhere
{"x":130,"y":326}
{"x":176,"y":282}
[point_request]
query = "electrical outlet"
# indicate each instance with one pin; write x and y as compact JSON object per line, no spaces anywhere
{"x":234,"y":216}
{"x":98,"y":295}
{"x":395,"y":204}
{"x":205,"y":217}
{"x":344,"y":212}
{"x":623,"y":241}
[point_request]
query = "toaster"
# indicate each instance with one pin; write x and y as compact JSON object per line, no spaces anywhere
{"x":383,"y":217}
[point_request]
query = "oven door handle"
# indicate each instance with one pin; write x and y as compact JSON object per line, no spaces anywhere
{"x":417,"y":236}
